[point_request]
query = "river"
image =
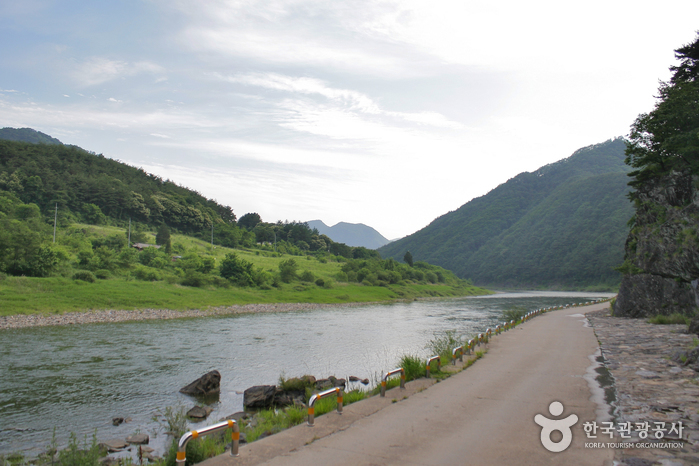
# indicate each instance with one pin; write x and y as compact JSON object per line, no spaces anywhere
{"x":77,"y":378}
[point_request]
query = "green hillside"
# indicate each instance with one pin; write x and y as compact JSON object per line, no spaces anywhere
{"x":562,"y":226}
{"x":126,"y":239}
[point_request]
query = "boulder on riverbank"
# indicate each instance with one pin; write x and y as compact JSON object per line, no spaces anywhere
{"x":291,"y":392}
{"x":259,"y":396}
{"x":207,"y":384}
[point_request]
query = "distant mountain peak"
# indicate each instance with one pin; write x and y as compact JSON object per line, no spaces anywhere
{"x":352,"y":234}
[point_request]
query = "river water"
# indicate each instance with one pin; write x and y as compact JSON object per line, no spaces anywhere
{"x":77,"y":378}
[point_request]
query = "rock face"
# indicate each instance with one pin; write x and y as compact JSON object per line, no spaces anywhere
{"x":662,"y":250}
{"x":646,"y":295}
{"x":208,"y":384}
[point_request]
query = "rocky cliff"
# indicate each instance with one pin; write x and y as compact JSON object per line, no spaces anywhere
{"x":662,"y":251}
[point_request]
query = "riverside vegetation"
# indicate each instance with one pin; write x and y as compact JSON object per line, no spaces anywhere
{"x":91,"y":267}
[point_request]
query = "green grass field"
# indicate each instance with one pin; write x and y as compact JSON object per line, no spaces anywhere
{"x":59,"y":294}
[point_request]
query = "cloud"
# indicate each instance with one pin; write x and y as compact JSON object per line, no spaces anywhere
{"x":303,"y":85}
{"x":345,"y":113}
{"x":98,"y":70}
{"x":307,"y":33}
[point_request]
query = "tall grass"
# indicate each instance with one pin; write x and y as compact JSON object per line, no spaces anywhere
{"x":514,"y":313}
{"x":413,"y":366}
{"x":443,"y":344}
{"x":672,"y":319}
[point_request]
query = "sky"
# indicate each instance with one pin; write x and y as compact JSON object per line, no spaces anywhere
{"x":386,"y":113}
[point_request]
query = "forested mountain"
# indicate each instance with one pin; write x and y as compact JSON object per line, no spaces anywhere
{"x":562,"y":226}
{"x":352,"y":234}
{"x":93,"y":188}
{"x":38,"y":173}
{"x":27,"y":135}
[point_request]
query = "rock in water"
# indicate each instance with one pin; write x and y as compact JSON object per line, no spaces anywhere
{"x":139,"y":439}
{"x":199,"y":412}
{"x":259,"y":396}
{"x":207,"y":384}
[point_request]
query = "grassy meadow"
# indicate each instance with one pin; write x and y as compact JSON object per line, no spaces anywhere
{"x":61,"y":293}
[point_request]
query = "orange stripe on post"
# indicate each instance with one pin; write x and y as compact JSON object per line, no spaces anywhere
{"x":195,"y":434}
{"x":311,"y":410}
{"x":235,"y":436}
{"x":181,"y":455}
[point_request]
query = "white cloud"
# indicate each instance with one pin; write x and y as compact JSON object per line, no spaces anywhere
{"x":345,"y":114}
{"x":98,"y":70}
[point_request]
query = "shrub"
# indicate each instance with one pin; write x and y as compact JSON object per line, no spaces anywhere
{"x":237,"y":270}
{"x":146,"y":274}
{"x":307,"y":276}
{"x":413,"y":366}
{"x":431,"y":277}
{"x":84,"y":275}
{"x":195,"y":279}
{"x":103,"y":274}
{"x":287,"y":270}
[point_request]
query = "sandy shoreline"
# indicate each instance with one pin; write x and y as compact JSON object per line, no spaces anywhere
{"x":112,"y":316}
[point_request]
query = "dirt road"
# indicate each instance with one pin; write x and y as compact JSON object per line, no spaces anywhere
{"x":481,"y":416}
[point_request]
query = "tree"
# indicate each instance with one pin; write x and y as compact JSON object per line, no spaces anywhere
{"x":249,"y":221}
{"x":408,"y":258}
{"x":667,"y":138}
{"x":162,"y":237}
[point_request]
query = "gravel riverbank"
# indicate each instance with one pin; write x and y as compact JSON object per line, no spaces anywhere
{"x":111,"y":316}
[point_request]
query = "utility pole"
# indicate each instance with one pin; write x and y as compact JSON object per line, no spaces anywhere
{"x":212,"y":236}
{"x":129,"y":240}
{"x":55,"y":219}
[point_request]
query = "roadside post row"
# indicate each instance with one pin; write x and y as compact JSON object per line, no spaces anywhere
{"x":470,"y":346}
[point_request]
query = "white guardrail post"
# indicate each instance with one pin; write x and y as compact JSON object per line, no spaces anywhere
{"x":429,"y":361}
{"x":311,"y":403}
{"x":460,"y":350}
{"x":184,"y":440}
{"x":390,"y":373}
